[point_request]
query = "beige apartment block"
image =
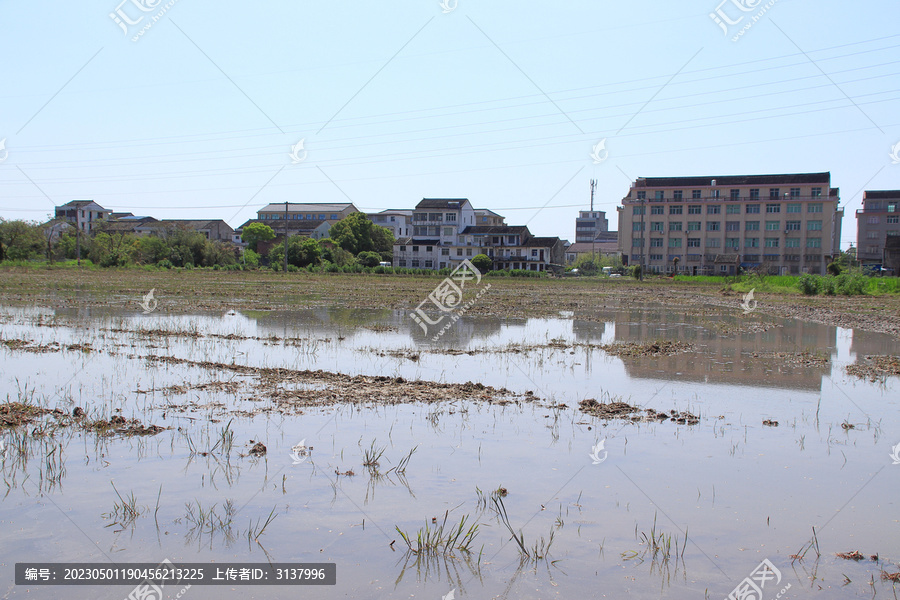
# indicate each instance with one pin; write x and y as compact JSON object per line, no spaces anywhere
{"x":779,"y":224}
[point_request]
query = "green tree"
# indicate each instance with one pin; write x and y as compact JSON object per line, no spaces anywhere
{"x":149,"y":250}
{"x":482,"y":262}
{"x":110,"y":249}
{"x":367,"y":258}
{"x":255,"y":233}
{"x":20,"y":240}
{"x":302,"y":252}
{"x":357,"y":233}
{"x":334,"y":254}
{"x":588,"y":264}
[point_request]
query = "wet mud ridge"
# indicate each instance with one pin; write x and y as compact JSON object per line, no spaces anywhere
{"x":20,"y":414}
{"x":635,"y":414}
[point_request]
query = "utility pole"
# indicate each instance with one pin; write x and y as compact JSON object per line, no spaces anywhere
{"x":285,"y":237}
{"x":594,"y":236}
{"x":77,"y":240}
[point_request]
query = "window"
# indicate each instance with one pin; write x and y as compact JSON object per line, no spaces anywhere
{"x":402,"y":248}
{"x":773,"y":225}
{"x":732,"y":242}
{"x":752,"y":209}
{"x":713,"y":242}
{"x":415,"y":248}
{"x":735,"y":194}
{"x":675,"y":226}
{"x":657,"y":210}
{"x":751,"y":226}
{"x":448,"y":231}
{"x":415,"y":263}
{"x":402,"y":262}
{"x":636,"y":226}
{"x":678,"y":194}
{"x":792,"y":226}
{"x":637,"y":210}
{"x":713,"y":226}
{"x":714,"y":194}
{"x":892,"y":207}
{"x":713,"y":209}
{"x":445,"y":251}
{"x":754,"y":193}
{"x":468,"y":252}
{"x":816,"y":192}
{"x":696,"y":194}
{"x":674,"y":242}
{"x":793,"y":207}
{"x":333,"y":217}
{"x":511,"y":239}
{"x":659,"y":195}
{"x":791,"y":242}
{"x":656,"y":226}
{"x":892,"y":220}
{"x":751,"y":243}
{"x":732,"y":225}
{"x":656,"y":257}
{"x":450,"y":217}
{"x":656,"y":243}
{"x":534,"y":253}
{"x":773,"y":208}
{"x":872,"y":235}
{"x":642,"y":195}
{"x":675,"y":210}
{"x":795,"y":192}
{"x":814,"y":225}
{"x":814,"y":207}
{"x":774,"y":193}
{"x":693,"y":242}
{"x":459,"y":251}
{"x":733,"y":209}
{"x":873,"y":220}
{"x":694,"y":209}
{"x":771,"y":242}
{"x":813,"y":242}
{"x":429,"y":264}
{"x":636,"y":243}
{"x":429,"y":248}
{"x":321,"y":217}
{"x":693,"y":226}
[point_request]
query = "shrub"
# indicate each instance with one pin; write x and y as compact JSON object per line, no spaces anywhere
{"x":165,"y":264}
{"x":829,"y":286}
{"x":636,"y":271}
{"x":833,"y":268}
{"x":809,"y":284}
{"x":851,"y":285}
{"x":367,"y":258}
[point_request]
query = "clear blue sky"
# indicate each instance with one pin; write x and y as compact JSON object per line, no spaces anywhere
{"x":498,"y":102}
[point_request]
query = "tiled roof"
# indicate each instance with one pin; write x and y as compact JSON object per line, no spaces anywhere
{"x":445,"y":203}
{"x":307,"y":208}
{"x":726,"y":180}
{"x":881,"y":194}
{"x":495,"y":229}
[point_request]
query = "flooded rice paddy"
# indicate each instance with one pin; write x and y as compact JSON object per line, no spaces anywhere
{"x":463,"y":465}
